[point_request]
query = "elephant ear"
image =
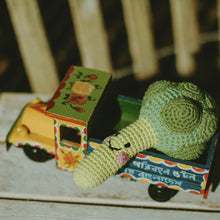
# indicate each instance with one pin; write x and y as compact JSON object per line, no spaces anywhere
{"x":188,"y":152}
{"x":210,"y":102}
{"x":191,"y":91}
{"x":180,"y":116}
{"x":207,"y":106}
{"x":208,"y":124}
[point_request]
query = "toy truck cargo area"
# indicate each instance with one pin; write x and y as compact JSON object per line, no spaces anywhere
{"x":81,"y":114}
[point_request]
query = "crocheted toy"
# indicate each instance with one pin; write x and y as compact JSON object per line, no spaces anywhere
{"x":175,"y":118}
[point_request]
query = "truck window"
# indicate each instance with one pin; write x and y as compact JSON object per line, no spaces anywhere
{"x":70,"y":135}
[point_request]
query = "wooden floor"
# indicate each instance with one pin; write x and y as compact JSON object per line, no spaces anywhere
{"x":30,"y":190}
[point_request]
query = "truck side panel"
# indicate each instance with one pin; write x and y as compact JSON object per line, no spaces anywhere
{"x":33,"y":127}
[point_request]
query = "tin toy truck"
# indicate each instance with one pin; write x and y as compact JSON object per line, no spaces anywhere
{"x":82,"y":112}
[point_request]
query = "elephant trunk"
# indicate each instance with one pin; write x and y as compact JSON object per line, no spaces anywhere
{"x":114,"y":153}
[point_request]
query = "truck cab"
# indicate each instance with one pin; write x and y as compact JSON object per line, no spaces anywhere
{"x":61,"y":127}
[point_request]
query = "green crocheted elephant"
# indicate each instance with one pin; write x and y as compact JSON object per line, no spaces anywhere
{"x":175,"y":118}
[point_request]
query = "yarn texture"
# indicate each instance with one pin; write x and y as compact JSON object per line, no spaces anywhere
{"x":183,"y":116}
{"x":175,"y":118}
{"x":108,"y":158}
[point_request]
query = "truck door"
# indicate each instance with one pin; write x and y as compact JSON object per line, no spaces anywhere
{"x":70,"y":136}
{"x":70,"y":144}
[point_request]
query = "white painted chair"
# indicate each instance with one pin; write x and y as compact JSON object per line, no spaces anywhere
{"x":91,"y":36}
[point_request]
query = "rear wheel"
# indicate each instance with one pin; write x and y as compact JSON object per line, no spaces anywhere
{"x":36,"y":154}
{"x":161,"y":194}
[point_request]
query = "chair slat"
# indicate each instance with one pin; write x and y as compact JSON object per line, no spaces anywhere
{"x":218,"y":19}
{"x":33,"y":44}
{"x":186,"y":35}
{"x":140,"y":37}
{"x":90,"y":34}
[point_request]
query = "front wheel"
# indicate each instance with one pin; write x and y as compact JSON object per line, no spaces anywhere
{"x":161,"y":194}
{"x":36,"y":154}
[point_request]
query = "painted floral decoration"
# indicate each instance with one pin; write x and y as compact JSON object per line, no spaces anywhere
{"x":81,"y":110}
{"x":70,"y":159}
{"x":83,"y":88}
{"x":93,"y":76}
{"x":81,"y":91}
{"x":77,"y":99}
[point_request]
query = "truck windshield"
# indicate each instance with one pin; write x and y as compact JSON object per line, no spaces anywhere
{"x":70,"y":135}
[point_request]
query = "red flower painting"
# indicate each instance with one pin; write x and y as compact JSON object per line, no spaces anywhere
{"x":81,"y":110}
{"x":92,"y":76}
{"x":77,"y":99}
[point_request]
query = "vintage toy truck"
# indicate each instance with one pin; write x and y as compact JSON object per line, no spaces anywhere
{"x":82,"y":112}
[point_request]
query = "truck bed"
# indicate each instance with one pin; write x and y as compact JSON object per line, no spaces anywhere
{"x":153,"y":166}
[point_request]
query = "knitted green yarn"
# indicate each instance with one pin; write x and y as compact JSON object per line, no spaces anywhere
{"x":108,"y":158}
{"x":191,"y":91}
{"x":182,"y":116}
{"x":176,"y":118}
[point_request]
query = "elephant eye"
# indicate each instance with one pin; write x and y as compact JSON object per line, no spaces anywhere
{"x":117,"y":133}
{"x":127,"y":145}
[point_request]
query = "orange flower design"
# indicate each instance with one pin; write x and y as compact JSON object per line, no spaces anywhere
{"x":83,"y":88}
{"x":70,"y":159}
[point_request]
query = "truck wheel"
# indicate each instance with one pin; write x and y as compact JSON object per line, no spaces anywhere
{"x":36,"y":154}
{"x":161,"y":194}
